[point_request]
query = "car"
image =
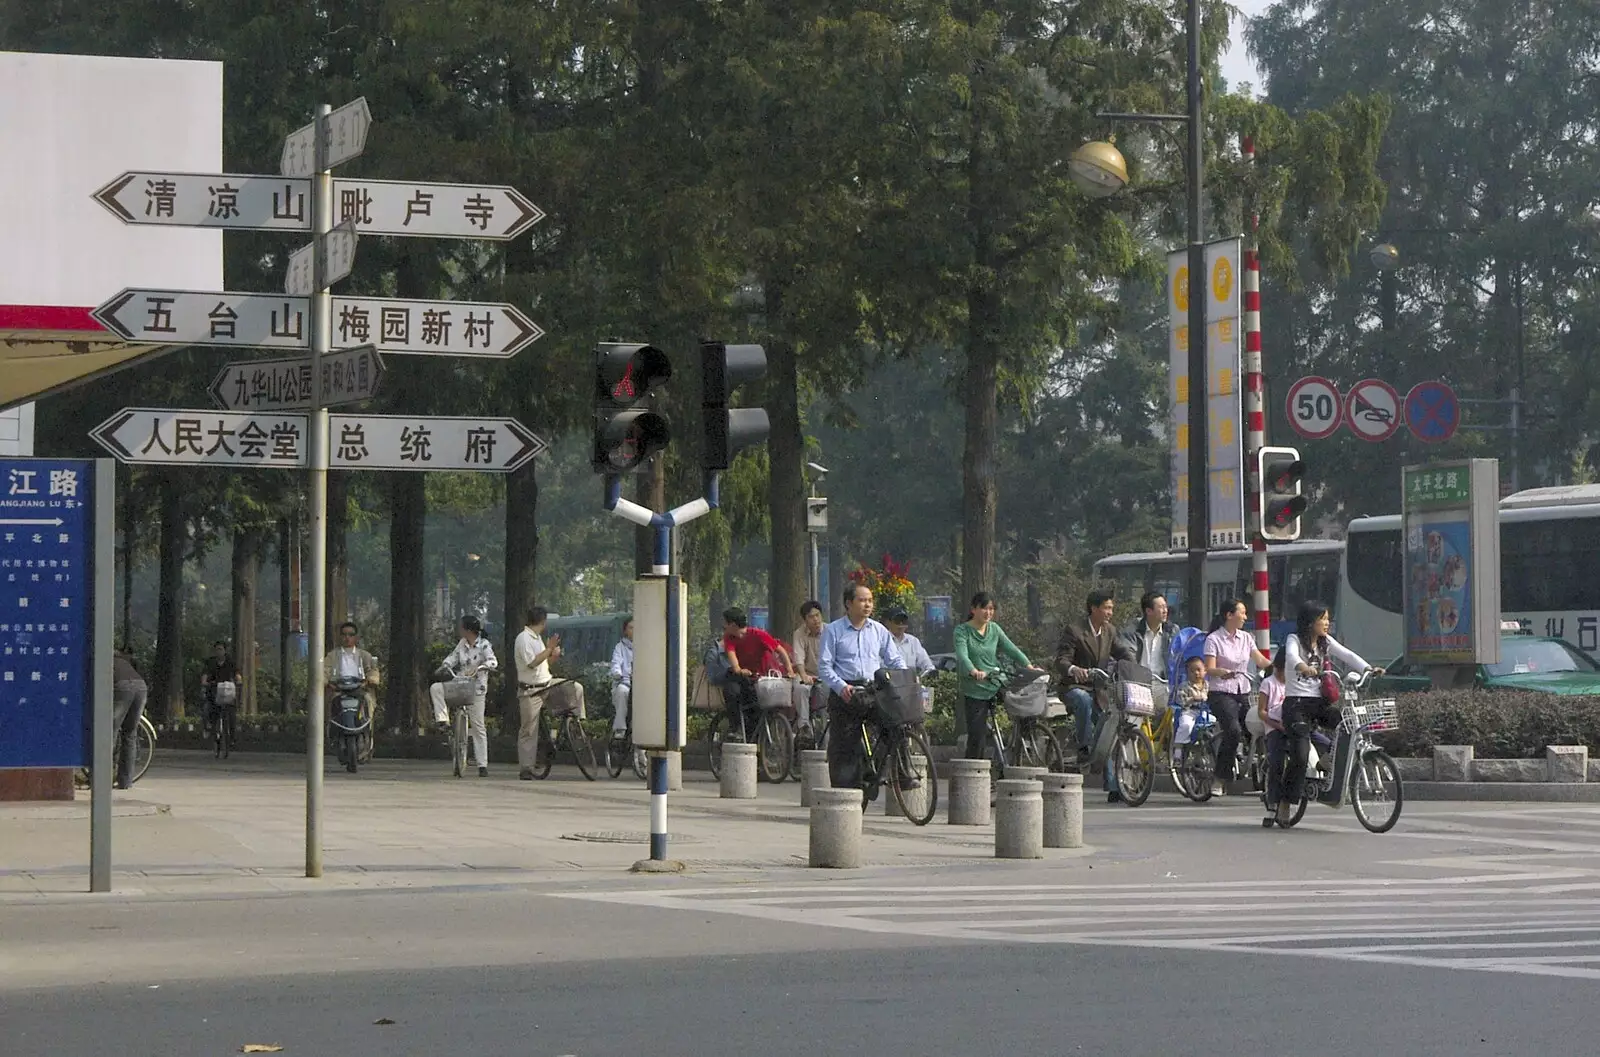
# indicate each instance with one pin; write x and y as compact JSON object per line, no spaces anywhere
{"x":1527,"y":662}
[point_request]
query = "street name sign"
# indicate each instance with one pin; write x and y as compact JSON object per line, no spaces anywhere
{"x":242,"y":202}
{"x":349,"y":376}
{"x":339,"y":257}
{"x":181,"y":436}
{"x":269,"y":321}
{"x":345,"y":136}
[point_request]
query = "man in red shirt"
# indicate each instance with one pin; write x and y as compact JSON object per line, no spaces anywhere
{"x":751,"y":655}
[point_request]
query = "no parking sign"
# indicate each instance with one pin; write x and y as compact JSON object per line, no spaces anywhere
{"x":1432,"y":412}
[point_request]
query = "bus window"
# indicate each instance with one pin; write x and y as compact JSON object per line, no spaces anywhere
{"x":1126,"y":581}
{"x":1169,"y":578}
{"x":1548,"y":566}
{"x":1373,"y":561}
{"x":1311,"y":576}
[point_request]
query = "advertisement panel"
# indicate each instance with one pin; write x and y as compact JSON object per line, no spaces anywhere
{"x":1225,"y":435}
{"x":1451,"y":553}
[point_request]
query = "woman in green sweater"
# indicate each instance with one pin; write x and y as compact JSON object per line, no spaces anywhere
{"x":980,"y":643}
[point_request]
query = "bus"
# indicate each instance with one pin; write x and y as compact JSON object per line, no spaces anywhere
{"x":587,"y":640}
{"x":1549,"y":558}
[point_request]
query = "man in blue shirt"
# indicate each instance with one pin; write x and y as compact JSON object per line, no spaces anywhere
{"x":853,"y":648}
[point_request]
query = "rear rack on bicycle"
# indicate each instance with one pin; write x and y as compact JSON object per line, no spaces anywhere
{"x":1376,"y":714}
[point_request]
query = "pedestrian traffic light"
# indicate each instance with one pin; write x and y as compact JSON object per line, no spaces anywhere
{"x":1280,"y":502}
{"x":723,"y":369}
{"x":627,"y":429}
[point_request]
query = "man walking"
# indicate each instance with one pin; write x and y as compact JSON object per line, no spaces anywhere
{"x":853,"y":649}
{"x":533,"y":659}
{"x":1085,"y":647}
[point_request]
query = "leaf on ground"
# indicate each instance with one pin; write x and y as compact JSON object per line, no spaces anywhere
{"x":260,"y":1047}
{"x":383,"y":1020}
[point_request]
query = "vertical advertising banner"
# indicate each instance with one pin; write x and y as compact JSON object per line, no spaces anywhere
{"x":1225,"y":435}
{"x":1452,"y":562}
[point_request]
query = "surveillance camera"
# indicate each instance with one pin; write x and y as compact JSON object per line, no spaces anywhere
{"x":816,"y":468}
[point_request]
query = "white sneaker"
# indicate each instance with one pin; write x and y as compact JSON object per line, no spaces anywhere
{"x":1216,"y":788}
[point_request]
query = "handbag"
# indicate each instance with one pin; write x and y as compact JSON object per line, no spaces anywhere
{"x":1330,"y":684}
{"x":227,"y":692}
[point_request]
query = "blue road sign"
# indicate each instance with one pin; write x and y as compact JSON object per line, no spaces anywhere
{"x":1432,"y":412}
{"x":46,"y":611}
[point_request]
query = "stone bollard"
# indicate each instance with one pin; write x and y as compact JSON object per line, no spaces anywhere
{"x":1452,"y":763}
{"x":1566,"y":763}
{"x":1018,"y":819}
{"x":916,"y":799}
{"x":969,"y":793}
{"x":739,"y":771}
{"x":836,"y":828}
{"x":674,"y":771}
{"x":1027,"y":773}
{"x":813,"y":773}
{"x":1063,"y":810}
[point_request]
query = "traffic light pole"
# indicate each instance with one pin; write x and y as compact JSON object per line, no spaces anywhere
{"x":661,"y":526}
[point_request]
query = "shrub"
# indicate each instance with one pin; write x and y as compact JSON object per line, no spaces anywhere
{"x":1498,"y":724}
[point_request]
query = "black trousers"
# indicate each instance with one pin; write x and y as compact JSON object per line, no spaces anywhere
{"x":1300,"y":717}
{"x":844,"y":742}
{"x":977,"y":725}
{"x":739,"y":698}
{"x":1229,"y":710}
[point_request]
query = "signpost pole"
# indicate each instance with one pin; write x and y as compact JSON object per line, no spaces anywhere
{"x":1199,"y":529}
{"x":103,"y":737}
{"x":1255,"y":423}
{"x":321,"y":339}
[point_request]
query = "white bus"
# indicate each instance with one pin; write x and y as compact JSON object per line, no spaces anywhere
{"x":1549,"y":572}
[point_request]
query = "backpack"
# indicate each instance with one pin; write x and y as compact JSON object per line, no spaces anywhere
{"x":717,"y":665}
{"x":1187,"y":644}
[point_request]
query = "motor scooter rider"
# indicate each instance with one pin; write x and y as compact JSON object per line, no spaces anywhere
{"x":349,"y":661}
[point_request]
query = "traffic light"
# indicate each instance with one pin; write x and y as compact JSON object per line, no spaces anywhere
{"x":627,"y":430}
{"x":723,"y":369}
{"x":1280,"y":502}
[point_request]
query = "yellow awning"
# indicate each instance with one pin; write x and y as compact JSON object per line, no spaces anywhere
{"x":47,"y":349}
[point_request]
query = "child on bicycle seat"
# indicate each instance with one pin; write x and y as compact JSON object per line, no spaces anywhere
{"x":1191,"y":699}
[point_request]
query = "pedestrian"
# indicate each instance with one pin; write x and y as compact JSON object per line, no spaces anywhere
{"x":1229,"y":651}
{"x":807,"y":640}
{"x":472,"y":660}
{"x":1084,"y":648}
{"x":751,"y":654}
{"x":128,"y":696}
{"x":854,"y":648}
{"x":1308,"y":654}
{"x":980,"y":645}
{"x":220,"y":680}
{"x":622,"y":683}
{"x":532,"y":656}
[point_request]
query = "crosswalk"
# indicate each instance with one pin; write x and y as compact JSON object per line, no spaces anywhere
{"x":1540,"y":921}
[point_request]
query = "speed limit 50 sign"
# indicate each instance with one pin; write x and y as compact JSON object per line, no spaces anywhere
{"x":1315,"y":408}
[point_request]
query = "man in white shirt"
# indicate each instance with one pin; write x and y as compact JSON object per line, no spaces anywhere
{"x":898,"y":620}
{"x":533,"y":656}
{"x":472,"y":659}
{"x":349,"y":661}
{"x":622,"y":681}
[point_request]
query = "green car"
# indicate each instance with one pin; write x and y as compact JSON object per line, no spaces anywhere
{"x":1527,"y":662}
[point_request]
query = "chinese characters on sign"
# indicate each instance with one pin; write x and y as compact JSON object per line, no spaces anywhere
{"x":348,"y":376}
{"x":1451,"y":560}
{"x":1437,"y":488}
{"x":46,"y":611}
{"x":168,"y":435}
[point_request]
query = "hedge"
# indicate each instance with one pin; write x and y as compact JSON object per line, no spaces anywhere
{"x":1498,"y":724}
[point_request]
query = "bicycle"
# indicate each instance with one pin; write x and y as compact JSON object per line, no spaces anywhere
{"x":1120,"y":739}
{"x":1358,"y":772}
{"x":1031,"y":742}
{"x":144,"y":750}
{"x":775,"y":754}
{"x":901,"y":741}
{"x":560,"y":729}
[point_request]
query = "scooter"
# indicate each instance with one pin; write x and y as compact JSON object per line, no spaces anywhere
{"x":349,"y":719}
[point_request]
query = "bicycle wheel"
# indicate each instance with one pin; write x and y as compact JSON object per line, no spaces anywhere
{"x":144,"y":747}
{"x":641,"y":763}
{"x":364,"y":742}
{"x":1135,"y":761}
{"x":544,"y":754}
{"x":1375,"y":791}
{"x":714,"y":734}
{"x":458,"y":740}
{"x":920,"y":810}
{"x":1039,"y":748}
{"x":1198,"y":769}
{"x":616,"y":752}
{"x":582,"y":748}
{"x":1299,"y":813}
{"x":774,"y":746}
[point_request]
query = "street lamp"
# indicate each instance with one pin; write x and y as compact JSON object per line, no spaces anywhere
{"x":1098,"y":169}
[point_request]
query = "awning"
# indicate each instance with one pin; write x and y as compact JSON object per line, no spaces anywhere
{"x":46,"y":348}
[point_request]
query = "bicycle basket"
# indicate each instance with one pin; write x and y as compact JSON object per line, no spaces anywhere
{"x":1026,"y":702}
{"x":1376,"y":715}
{"x":459,"y":692}
{"x":774,"y":691}
{"x":1137,"y":699}
{"x":897,"y":696}
{"x":564,"y":699}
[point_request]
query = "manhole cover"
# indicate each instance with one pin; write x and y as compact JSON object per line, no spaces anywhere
{"x":625,"y":836}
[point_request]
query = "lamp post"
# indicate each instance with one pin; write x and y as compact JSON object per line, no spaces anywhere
{"x":1098,"y":169}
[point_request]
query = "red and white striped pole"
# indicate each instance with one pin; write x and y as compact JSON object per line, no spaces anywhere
{"x":1255,"y":419}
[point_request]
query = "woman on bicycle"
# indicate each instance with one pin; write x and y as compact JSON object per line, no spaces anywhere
{"x":1269,"y":707}
{"x":980,"y":643}
{"x":1306,"y":655}
{"x":1229,"y":651}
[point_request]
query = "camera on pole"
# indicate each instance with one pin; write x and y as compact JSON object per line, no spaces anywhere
{"x":1281,"y":499}
{"x":627,"y":428}
{"x":723,"y":369}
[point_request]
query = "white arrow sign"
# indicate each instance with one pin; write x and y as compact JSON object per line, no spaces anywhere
{"x":238,"y":320}
{"x":280,"y":203}
{"x":395,"y":442}
{"x":345,"y":135}
{"x":211,"y":438}
{"x":339,"y":256}
{"x":349,"y":376}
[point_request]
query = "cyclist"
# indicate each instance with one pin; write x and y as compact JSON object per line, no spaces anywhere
{"x":1307,"y":654}
{"x":910,"y":647}
{"x":751,"y":652}
{"x":220,"y":669}
{"x":533,"y":656}
{"x":980,"y":643}
{"x":1229,"y":652}
{"x":622,"y":682}
{"x":853,"y":649}
{"x":1269,"y":706}
{"x":1085,"y":647}
{"x":128,"y":695}
{"x":807,"y":639}
{"x":473,"y":658}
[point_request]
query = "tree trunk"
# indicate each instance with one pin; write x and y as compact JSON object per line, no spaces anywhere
{"x":408,"y":507}
{"x":522,"y":562}
{"x":786,"y":489}
{"x":338,"y":582}
{"x":980,"y":497}
{"x":168,"y":676}
{"x":246,"y":574}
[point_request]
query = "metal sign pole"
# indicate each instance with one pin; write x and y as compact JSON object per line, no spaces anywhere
{"x":103,"y":737}
{"x":321,"y":339}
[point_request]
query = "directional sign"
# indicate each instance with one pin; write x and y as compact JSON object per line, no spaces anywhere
{"x":339,"y":256}
{"x":210,"y":438}
{"x":348,"y":377}
{"x":281,"y":203}
{"x":1314,"y":407}
{"x":1372,"y":409}
{"x":237,"y":320}
{"x":396,"y":442}
{"x":345,"y":134}
{"x":1432,"y":412}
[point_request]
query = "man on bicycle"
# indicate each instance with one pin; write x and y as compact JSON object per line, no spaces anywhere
{"x":751,"y":654}
{"x":897,"y":620}
{"x":807,"y":641}
{"x":853,"y":649}
{"x":622,"y":682}
{"x":1085,"y":647}
{"x":533,"y":658}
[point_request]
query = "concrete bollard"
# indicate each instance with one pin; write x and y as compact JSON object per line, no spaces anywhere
{"x":916,"y":799}
{"x":739,"y":771}
{"x":1566,"y":763}
{"x":1063,"y":810}
{"x":674,"y":771}
{"x":969,"y":793}
{"x":836,"y":828}
{"x":1018,"y":819}
{"x":813,"y":773}
{"x":1030,"y":773}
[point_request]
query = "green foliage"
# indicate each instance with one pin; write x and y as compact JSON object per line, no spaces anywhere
{"x":1499,"y":724}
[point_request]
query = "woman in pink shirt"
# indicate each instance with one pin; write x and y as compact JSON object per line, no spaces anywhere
{"x":1229,"y":651}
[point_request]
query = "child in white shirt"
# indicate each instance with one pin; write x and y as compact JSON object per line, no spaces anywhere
{"x":1192,"y":699}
